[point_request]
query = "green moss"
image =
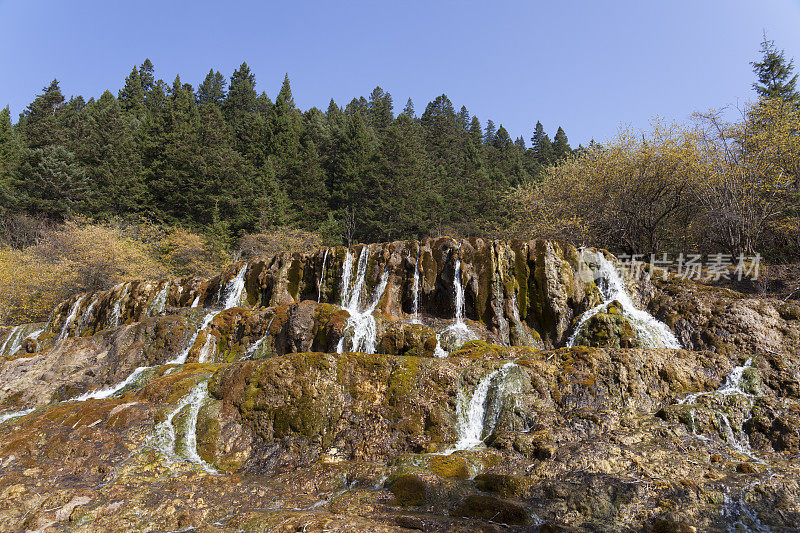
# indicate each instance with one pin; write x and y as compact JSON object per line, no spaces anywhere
{"x":403,"y":379}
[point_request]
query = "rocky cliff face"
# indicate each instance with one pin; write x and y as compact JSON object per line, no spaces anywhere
{"x":237,"y":403}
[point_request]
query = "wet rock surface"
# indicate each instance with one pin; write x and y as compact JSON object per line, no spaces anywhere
{"x":237,"y":414}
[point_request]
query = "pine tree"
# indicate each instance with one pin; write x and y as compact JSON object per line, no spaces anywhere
{"x":50,"y":182}
{"x":489,"y":132}
{"x":212,"y":90}
{"x":380,"y":109}
{"x":775,"y":79}
{"x":240,"y":109}
{"x":476,"y":131}
{"x":542,"y":147}
{"x":561,"y":148}
{"x":39,"y":122}
{"x":10,"y":153}
{"x":408,"y":110}
{"x":131,"y":96}
{"x":108,"y":150}
{"x":401,"y":182}
{"x":462,"y":119}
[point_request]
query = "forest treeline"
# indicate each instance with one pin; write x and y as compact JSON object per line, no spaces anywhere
{"x":225,"y":159}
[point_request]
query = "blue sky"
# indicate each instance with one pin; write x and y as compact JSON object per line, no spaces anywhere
{"x":588,"y":66}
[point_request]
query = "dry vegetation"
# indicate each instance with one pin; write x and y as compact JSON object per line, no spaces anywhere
{"x":729,"y":187}
{"x":42,"y":264}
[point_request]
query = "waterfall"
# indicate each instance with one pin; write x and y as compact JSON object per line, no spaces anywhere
{"x":472,"y":422}
{"x":254,"y":348}
{"x":14,"y":414}
{"x":731,"y":385}
{"x":415,"y":290}
{"x":181,"y":358}
{"x":459,"y":295}
{"x":347,"y":269}
{"x":111,"y":391}
{"x":361,"y":322}
{"x":87,"y":315}
{"x":196,"y":301}
{"x":322,"y":275}
{"x":15,"y":337}
{"x":209,"y":350}
{"x":233,"y":290}
{"x":439,"y":351}
{"x":116,"y":311}
{"x":159,"y":302}
{"x":653,"y":333}
{"x":165,"y":438}
{"x":70,"y":319}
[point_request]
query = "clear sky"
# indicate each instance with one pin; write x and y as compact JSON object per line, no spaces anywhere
{"x":588,"y":66}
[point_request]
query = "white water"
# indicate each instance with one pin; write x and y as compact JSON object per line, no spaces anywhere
{"x":653,"y":333}
{"x":209,"y":350}
{"x":439,"y":351}
{"x":322,"y":275}
{"x":472,"y":422}
{"x":415,"y":290}
{"x":731,"y":385}
{"x":159,"y":302}
{"x":347,"y":269}
{"x":14,"y":414}
{"x":234,"y":289}
{"x":110,"y":391}
{"x":15,"y":331}
{"x":196,"y":301}
{"x":70,"y":319}
{"x":165,"y":437}
{"x":181,"y":358}
{"x":116,"y":311}
{"x":361,"y":322}
{"x":15,"y":337}
{"x":87,"y":316}
{"x":459,"y":295}
{"x":254,"y":348}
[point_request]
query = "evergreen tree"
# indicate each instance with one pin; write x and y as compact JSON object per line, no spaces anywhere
{"x":400,"y":183}
{"x":408,"y":110}
{"x":774,"y":72}
{"x":108,"y":151}
{"x":475,"y":131}
{"x":462,"y":119}
{"x":51,"y":183}
{"x":240,"y":109}
{"x":131,"y":96}
{"x":39,"y":122}
{"x":10,"y":153}
{"x":212,"y":90}
{"x":542,"y":147}
{"x":561,"y":148}
{"x":489,"y":133}
{"x":380,"y":109}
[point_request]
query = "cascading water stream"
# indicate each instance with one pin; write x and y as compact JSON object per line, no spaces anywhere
{"x":116,"y":311}
{"x":87,"y":316}
{"x":459,"y":296}
{"x":652,"y":332}
{"x":472,"y":422}
{"x":234,"y":289}
{"x":322,"y":275}
{"x":159,"y":302}
{"x":415,"y":290}
{"x":114,"y":389}
{"x":70,"y":319}
{"x":166,"y":439}
{"x":361,"y":322}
